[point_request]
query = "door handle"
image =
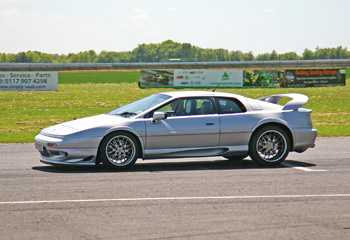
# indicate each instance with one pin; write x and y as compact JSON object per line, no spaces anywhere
{"x":209,"y":123}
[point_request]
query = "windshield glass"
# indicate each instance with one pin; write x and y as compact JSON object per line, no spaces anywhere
{"x":139,"y":106}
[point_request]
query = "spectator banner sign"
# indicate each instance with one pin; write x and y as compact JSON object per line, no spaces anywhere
{"x":301,"y":78}
{"x":29,"y":81}
{"x":298,"y":78}
{"x":208,"y":78}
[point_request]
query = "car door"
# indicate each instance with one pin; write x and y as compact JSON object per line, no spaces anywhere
{"x":235,"y":122}
{"x":193,"y":124}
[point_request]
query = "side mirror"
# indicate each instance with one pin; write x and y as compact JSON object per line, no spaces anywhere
{"x":158,"y":116}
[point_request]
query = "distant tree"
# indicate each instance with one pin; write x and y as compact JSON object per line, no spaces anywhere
{"x":81,"y":57}
{"x":236,"y":56}
{"x":32,"y":57}
{"x":3,"y":57}
{"x":267,"y":56}
{"x":222,"y":54}
{"x":46,"y":58}
{"x":11,"y":58}
{"x":248,"y":56}
{"x":62,"y":58}
{"x":92,"y":55}
{"x":186,"y":50}
{"x":341,"y":53}
{"x":308,"y":54}
{"x":262,"y":57}
{"x":321,"y":53}
{"x":154,"y":52}
{"x":21,"y":57}
{"x":273,"y":55}
{"x":289,"y":56}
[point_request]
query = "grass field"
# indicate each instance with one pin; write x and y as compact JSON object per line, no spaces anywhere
{"x":24,"y":114}
{"x":99,"y":77}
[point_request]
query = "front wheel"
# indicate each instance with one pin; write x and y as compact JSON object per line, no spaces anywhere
{"x":119,"y":150}
{"x":269,"y":146}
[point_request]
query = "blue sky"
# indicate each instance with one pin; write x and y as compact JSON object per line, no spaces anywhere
{"x":64,"y":26}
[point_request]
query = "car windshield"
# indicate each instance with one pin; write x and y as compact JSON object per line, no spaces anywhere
{"x":139,"y":106}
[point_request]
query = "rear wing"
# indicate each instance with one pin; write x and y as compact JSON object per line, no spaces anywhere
{"x":298,"y":100}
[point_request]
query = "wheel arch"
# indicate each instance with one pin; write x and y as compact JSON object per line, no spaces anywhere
{"x":137,"y":136}
{"x":280,"y":124}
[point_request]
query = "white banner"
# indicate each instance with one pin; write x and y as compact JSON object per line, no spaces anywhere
{"x":28,"y":81}
{"x":208,"y":78}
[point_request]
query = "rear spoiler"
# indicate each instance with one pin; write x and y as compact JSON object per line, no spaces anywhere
{"x":298,"y":100}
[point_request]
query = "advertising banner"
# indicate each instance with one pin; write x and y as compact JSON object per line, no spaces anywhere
{"x":208,"y":78}
{"x":298,"y":78}
{"x":301,"y":78}
{"x":260,"y":78}
{"x":29,"y":81}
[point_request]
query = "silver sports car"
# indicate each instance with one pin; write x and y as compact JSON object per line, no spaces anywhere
{"x":183,"y":124}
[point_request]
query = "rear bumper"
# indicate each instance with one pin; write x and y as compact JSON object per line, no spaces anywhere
{"x":304,"y":139}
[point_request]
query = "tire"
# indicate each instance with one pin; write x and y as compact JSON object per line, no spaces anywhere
{"x":236,"y":158}
{"x":269,"y":146}
{"x":119,"y":150}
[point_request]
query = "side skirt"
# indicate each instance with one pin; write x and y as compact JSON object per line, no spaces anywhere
{"x":195,"y":152}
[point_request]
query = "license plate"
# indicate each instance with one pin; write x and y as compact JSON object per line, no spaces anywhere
{"x":39,"y":146}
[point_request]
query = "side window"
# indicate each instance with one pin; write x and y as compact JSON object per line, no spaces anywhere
{"x":168,"y":108}
{"x":229,"y":105}
{"x":194,"y":106}
{"x":186,"y":107}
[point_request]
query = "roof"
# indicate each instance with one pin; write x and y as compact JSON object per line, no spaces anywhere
{"x":201,"y":93}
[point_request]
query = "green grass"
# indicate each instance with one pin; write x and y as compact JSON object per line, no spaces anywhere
{"x":99,"y":77}
{"x":24,"y":114}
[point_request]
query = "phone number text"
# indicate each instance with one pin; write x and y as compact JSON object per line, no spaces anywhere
{"x":22,"y":81}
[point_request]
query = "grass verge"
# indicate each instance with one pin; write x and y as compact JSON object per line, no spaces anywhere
{"x":82,"y":77}
{"x":24,"y":114}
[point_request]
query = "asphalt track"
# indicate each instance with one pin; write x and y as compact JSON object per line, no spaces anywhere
{"x":308,"y":197}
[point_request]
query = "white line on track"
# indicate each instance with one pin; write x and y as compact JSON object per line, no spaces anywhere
{"x":175,"y":198}
{"x":305,"y":169}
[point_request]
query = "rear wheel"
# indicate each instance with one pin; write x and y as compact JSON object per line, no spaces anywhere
{"x":119,"y":150}
{"x":269,"y":146}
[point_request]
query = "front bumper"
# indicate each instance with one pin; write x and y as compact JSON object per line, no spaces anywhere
{"x":67,"y":151}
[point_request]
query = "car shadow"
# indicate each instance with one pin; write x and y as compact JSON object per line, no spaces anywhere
{"x":149,"y":166}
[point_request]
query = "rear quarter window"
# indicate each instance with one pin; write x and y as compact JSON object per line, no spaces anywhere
{"x":229,"y":105}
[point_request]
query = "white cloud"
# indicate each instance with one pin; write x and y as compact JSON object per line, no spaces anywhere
{"x":58,"y":33}
{"x":138,"y":11}
{"x":16,"y":1}
{"x":198,"y":18}
{"x":270,"y":10}
{"x":170,"y":9}
{"x":141,"y":28}
{"x":9,"y":12}
{"x":44,"y":32}
{"x":140,"y":15}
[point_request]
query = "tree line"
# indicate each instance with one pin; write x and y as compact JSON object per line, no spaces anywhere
{"x":170,"y":51}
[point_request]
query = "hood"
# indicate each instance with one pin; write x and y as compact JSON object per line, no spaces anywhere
{"x":82,"y":124}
